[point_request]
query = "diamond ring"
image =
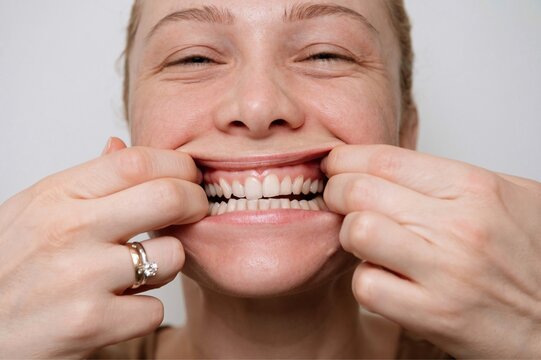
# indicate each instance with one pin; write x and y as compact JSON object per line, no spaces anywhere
{"x":144,"y":268}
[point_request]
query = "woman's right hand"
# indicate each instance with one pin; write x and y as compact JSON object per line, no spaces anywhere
{"x":64,"y":265}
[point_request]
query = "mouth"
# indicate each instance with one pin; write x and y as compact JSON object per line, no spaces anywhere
{"x":294,"y":183}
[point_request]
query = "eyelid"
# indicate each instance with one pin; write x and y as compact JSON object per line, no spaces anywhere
{"x":326,"y":48}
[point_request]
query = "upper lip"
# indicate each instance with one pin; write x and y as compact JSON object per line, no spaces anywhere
{"x":263,"y":161}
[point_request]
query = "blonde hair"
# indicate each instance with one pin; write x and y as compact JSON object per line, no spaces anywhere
{"x":399,"y":20}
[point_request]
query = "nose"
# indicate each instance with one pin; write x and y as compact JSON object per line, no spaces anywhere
{"x":258,"y":105}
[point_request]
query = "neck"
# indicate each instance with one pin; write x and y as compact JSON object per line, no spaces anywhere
{"x":320,"y":323}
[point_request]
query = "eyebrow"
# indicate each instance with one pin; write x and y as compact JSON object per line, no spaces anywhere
{"x":298,"y":12}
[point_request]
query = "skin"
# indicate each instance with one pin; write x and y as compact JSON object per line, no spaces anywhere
{"x":440,"y":239}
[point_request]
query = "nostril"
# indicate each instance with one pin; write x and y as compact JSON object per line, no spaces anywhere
{"x":237,"y":123}
{"x":278,"y":122}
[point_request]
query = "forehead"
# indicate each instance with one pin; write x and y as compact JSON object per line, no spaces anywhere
{"x":260,"y":12}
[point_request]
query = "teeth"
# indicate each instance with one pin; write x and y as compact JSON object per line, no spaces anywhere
{"x":231,"y":205}
{"x":252,"y":188}
{"x":212,"y":190}
{"x":252,"y":204}
{"x":275,"y":203}
{"x":271,"y":186}
{"x":219,"y":191}
{"x":238,"y":189}
{"x":314,"y":186}
{"x":306,"y":187}
{"x":223,"y":207}
{"x":296,"y":188}
{"x":285,"y":186}
{"x":320,"y":186}
{"x":241,"y":204}
{"x":226,"y":188}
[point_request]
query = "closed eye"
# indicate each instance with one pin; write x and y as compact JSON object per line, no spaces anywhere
{"x":194,"y":60}
{"x":329,"y":57}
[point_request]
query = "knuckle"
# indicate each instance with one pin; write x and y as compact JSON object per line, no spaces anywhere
{"x":83,"y":320}
{"x":482,"y":183}
{"x":358,"y":192}
{"x":474,"y":234}
{"x":154,"y":313}
{"x":176,"y":254}
{"x":168,"y":194}
{"x":134,"y":164}
{"x":64,"y":225}
{"x":363,"y":287}
{"x":359,"y":231}
{"x":385,"y":161}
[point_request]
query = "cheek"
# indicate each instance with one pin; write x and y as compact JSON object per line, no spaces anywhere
{"x":355,"y":111}
{"x":164,"y":116}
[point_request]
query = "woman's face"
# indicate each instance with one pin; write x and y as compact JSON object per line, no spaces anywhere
{"x":257,"y":92}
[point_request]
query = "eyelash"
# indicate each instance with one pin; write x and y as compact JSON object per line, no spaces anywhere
{"x":322,"y":56}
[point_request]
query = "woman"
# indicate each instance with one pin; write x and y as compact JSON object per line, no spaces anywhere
{"x":269,"y":107}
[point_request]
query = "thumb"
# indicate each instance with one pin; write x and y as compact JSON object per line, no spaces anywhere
{"x":113,"y":144}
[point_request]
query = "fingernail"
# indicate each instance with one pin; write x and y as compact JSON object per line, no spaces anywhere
{"x":107,"y":146}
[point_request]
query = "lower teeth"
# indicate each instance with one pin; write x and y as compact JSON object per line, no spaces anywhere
{"x":231,"y":205}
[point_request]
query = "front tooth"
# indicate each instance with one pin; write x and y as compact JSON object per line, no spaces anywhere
{"x":285,"y":203}
{"x":313,"y":205}
{"x":252,"y":188}
{"x":275,"y":203}
{"x":212,"y":190}
{"x":271,"y":186}
{"x":304,"y":205}
{"x":296,"y":188}
{"x":219,"y":191}
{"x":295,"y":204}
{"x":241,"y":204}
{"x":264,"y":204}
{"x":210,"y":209}
{"x":207,"y":190}
{"x":251,"y":204}
{"x":306,"y":186}
{"x":238,"y":189}
{"x":231,"y":205}
{"x":285,"y":186}
{"x":223,"y":208}
{"x":314,"y":186}
{"x":226,"y":188}
{"x":214,"y":210}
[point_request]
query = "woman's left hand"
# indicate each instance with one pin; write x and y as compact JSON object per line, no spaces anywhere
{"x":451,"y":252}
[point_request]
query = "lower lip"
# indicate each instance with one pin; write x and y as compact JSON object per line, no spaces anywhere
{"x":265,"y":217}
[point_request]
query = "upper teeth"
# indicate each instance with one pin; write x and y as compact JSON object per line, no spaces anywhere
{"x":271,"y":186}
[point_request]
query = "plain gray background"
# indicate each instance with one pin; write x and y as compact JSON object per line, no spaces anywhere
{"x":477,"y":83}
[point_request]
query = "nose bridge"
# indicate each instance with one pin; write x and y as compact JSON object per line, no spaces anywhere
{"x":258,"y":100}
{"x":259,"y":94}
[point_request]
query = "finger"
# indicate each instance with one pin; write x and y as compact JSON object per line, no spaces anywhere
{"x":396,"y":299}
{"x":130,"y":316}
{"x":113,"y":144}
{"x":424,"y":173}
{"x":376,"y":238}
{"x":520,"y":181}
{"x":120,"y":170}
{"x":167,"y":252}
{"x":148,"y":206}
{"x":348,"y":192}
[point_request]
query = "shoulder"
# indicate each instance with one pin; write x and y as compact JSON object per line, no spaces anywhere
{"x":138,"y":348}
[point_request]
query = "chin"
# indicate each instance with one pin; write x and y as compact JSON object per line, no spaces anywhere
{"x":259,"y":254}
